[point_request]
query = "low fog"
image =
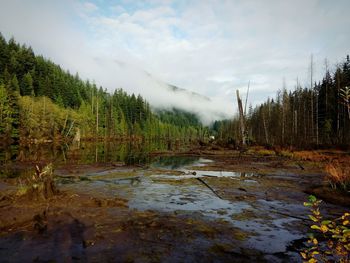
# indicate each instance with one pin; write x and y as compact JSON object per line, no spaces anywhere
{"x":116,"y":74}
{"x":73,"y":51}
{"x":210,"y":48}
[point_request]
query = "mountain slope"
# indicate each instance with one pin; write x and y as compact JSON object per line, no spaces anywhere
{"x":161,"y":95}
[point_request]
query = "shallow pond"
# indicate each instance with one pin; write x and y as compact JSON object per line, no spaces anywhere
{"x":179,"y":186}
{"x":265,"y":210}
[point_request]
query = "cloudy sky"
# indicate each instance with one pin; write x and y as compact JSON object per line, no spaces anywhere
{"x":209,"y":47}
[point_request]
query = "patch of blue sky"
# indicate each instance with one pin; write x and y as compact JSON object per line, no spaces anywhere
{"x":177,"y":32}
{"x":179,"y":5}
{"x":117,"y":7}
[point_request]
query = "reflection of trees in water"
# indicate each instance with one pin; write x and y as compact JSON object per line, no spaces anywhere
{"x":174,"y":162}
{"x":8,"y":153}
{"x":87,"y":152}
{"x":32,"y":153}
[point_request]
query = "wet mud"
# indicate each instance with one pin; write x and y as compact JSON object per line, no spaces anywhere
{"x":218,"y":208}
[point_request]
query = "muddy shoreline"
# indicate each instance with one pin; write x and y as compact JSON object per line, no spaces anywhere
{"x":163,"y":212}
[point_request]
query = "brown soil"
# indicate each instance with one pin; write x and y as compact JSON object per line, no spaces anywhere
{"x":81,"y":225}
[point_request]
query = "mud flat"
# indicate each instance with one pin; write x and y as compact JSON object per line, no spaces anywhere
{"x":217,"y":208}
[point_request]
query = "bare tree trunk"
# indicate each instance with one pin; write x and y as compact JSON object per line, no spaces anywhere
{"x":96,"y":117}
{"x":338,"y":107}
{"x":111,"y":125}
{"x":312,"y":96}
{"x":305,"y":123}
{"x":241,"y":117}
{"x":70,"y":128}
{"x":296,"y":123}
{"x":282,"y":123}
{"x":326,"y":66}
{"x":44,"y":106}
{"x":246,"y":100}
{"x":283,"y":113}
{"x":265,"y":128}
{"x":92,"y":101}
{"x":76,"y":139}
{"x":292,"y":130}
{"x":316,"y":118}
{"x":64,"y":125}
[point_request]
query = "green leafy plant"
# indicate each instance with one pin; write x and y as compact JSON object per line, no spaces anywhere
{"x":330,"y":240}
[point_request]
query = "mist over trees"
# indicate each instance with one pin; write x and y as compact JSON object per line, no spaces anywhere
{"x":318,"y":115}
{"x":40,"y":100}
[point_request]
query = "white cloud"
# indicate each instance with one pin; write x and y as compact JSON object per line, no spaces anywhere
{"x":210,"y":47}
{"x":117,"y":9}
{"x":89,"y":7}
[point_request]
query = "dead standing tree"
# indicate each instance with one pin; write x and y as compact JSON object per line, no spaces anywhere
{"x":241,"y":120}
{"x":345,"y":99}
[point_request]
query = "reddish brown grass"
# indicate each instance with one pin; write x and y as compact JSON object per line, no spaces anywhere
{"x":313,"y":156}
{"x":338,"y":174}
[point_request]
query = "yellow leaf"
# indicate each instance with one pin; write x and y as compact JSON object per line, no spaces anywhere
{"x":315,"y":241}
{"x":315,"y":227}
{"x":316,"y":212}
{"x":346,"y":222}
{"x":303,"y":255}
{"x":313,"y":218}
{"x":312,"y":260}
{"x":324,"y":228}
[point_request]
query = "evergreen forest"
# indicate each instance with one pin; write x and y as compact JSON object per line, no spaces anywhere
{"x":304,"y":117}
{"x":41,"y":101}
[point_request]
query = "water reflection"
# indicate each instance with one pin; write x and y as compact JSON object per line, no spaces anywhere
{"x":9,"y":153}
{"x":84,"y":153}
{"x":174,"y":162}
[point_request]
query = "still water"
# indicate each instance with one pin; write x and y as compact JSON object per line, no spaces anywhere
{"x":86,"y":153}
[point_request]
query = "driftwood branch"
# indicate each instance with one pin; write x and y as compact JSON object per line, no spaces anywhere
{"x":211,"y":189}
{"x":304,"y":219}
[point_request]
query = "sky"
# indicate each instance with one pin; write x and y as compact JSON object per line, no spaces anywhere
{"x":208,"y":47}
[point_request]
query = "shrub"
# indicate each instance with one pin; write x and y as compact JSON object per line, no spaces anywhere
{"x":330,"y":241}
{"x":39,"y":185}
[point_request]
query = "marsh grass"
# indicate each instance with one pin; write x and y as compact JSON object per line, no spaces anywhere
{"x":313,"y":156}
{"x":338,"y":175}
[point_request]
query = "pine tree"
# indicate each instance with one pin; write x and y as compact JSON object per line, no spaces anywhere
{"x":27,"y":85}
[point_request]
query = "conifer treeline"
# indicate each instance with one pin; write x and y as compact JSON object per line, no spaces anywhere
{"x":304,"y":117}
{"x":40,"y":100}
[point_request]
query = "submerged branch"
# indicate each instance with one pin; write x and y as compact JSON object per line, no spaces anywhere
{"x":211,"y":189}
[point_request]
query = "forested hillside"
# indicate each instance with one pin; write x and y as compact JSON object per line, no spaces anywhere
{"x":40,"y":100}
{"x":304,"y":117}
